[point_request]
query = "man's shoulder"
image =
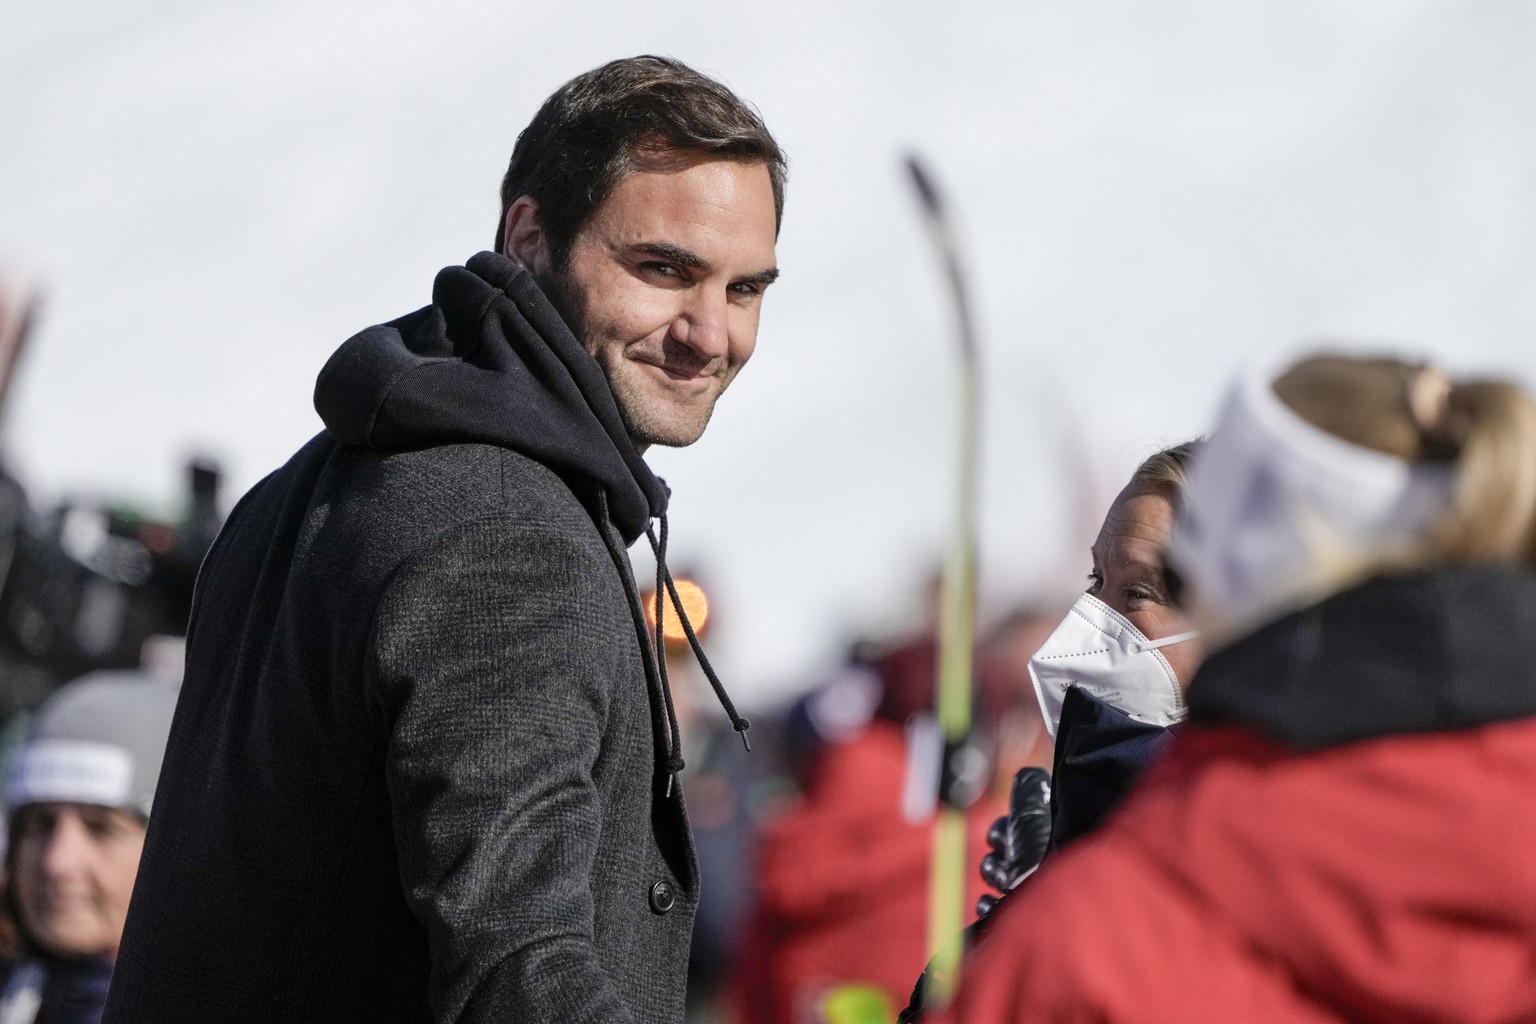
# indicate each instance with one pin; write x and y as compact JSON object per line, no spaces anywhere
{"x":443,"y":486}
{"x":357,"y":514}
{"x":469,"y":480}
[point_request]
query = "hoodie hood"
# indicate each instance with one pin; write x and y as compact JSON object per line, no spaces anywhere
{"x":491,"y":362}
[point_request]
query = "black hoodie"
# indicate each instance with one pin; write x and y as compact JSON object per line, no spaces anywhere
{"x":491,"y":361}
{"x":421,"y":767}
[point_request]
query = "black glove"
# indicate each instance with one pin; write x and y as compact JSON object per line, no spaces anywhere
{"x":1018,"y":841}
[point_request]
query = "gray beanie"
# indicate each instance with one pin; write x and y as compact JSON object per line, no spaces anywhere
{"x":98,"y":740}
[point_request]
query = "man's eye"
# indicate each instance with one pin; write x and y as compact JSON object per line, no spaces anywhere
{"x":746,"y":288}
{"x":661,"y":269}
{"x":1095,"y":581}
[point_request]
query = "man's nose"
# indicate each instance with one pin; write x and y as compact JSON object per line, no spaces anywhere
{"x":701,"y":324}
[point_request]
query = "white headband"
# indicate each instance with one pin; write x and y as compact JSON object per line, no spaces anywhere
{"x":71,"y":771}
{"x":1272,"y":499}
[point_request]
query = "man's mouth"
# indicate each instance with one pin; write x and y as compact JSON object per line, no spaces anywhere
{"x":692,"y":374}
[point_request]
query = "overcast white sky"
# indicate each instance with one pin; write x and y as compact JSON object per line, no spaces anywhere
{"x":216,"y":195}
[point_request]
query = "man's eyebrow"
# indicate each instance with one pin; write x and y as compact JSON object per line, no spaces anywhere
{"x":675,"y":254}
{"x":692,"y":260}
{"x":762,"y":277}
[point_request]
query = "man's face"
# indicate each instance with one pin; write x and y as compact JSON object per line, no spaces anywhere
{"x":75,"y":866}
{"x":665,"y":285}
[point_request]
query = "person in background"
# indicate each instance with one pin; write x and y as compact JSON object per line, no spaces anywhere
{"x":79,"y":795}
{"x":1021,"y":737}
{"x":1110,"y":681}
{"x":1342,"y":829}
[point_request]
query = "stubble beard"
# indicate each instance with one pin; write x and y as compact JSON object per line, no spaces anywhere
{"x":652,"y":420}
{"x":647,"y":419}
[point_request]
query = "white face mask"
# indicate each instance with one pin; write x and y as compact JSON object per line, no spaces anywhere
{"x":1097,"y":648}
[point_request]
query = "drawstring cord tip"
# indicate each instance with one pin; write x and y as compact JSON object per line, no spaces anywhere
{"x":741,"y":728}
{"x":675,"y":764}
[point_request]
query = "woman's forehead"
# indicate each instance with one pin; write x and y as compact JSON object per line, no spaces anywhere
{"x":1136,"y":527}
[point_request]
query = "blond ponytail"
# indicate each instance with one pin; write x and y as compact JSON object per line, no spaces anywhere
{"x":1491,"y":427}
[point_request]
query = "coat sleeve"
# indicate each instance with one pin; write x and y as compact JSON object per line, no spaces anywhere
{"x":493,"y":667}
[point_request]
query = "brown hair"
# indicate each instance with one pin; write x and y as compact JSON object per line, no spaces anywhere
{"x":1483,"y":430}
{"x":598,"y":127}
{"x":15,"y":943}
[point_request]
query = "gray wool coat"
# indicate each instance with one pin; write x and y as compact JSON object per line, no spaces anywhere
{"x":417,"y":768}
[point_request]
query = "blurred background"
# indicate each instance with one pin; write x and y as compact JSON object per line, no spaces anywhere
{"x":200,"y":202}
{"x":212,"y":197}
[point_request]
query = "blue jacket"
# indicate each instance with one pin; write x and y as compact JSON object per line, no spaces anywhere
{"x":60,"y":991}
{"x":1100,"y":753}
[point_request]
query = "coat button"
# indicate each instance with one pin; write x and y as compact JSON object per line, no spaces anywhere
{"x":663,"y":897}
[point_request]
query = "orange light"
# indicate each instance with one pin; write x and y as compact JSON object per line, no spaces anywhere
{"x":695,"y":606}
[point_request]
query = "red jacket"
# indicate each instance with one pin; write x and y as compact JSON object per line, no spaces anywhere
{"x":1386,"y":878}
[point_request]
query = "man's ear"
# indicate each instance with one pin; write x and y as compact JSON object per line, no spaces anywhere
{"x":523,"y":236}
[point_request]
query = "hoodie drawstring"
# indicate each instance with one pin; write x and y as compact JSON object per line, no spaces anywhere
{"x":675,"y":762}
{"x":664,"y":714}
{"x":664,"y":581}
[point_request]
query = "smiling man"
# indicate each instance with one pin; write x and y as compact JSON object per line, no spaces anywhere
{"x":677,"y":258}
{"x":425,"y":764}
